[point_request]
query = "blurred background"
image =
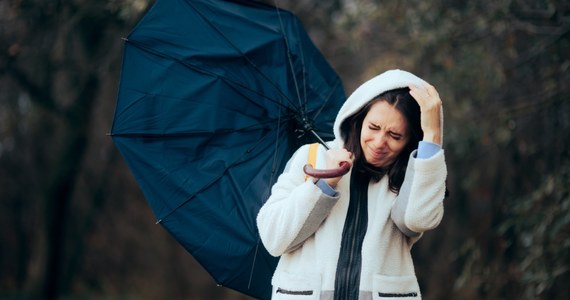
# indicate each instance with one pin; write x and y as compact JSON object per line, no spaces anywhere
{"x":74,"y":224}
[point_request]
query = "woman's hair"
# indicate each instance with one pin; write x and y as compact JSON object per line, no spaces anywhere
{"x":351,"y":128}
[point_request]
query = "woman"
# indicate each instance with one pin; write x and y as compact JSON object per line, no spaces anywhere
{"x":350,"y":237}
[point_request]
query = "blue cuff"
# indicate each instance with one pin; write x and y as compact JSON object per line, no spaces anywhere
{"x":326,"y":188}
{"x":427,"y":149}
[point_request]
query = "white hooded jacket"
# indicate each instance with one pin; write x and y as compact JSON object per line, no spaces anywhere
{"x":304,"y":226}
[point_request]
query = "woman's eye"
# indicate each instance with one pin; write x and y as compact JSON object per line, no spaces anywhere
{"x":397,"y":137}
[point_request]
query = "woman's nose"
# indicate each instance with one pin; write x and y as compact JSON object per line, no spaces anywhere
{"x":380,"y":141}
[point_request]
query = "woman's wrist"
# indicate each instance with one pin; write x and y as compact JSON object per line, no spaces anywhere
{"x":332,"y":182}
{"x":432,"y":137}
{"x":325,"y":187}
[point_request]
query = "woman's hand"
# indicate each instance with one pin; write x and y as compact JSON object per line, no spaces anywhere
{"x":430,"y":107}
{"x":333,"y":159}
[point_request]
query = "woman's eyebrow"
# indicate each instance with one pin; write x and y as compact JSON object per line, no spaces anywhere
{"x":374,"y":124}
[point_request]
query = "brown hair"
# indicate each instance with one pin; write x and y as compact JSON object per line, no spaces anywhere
{"x":351,"y":128}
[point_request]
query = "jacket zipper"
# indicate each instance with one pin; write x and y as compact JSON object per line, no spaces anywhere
{"x":350,"y":260}
{"x":350,"y":270}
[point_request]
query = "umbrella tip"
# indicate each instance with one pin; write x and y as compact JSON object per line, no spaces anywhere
{"x":125,"y":39}
{"x":158,"y":222}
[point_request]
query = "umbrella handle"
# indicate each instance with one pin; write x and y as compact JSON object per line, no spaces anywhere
{"x":343,"y":168}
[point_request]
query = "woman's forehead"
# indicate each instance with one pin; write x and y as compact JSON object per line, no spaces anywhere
{"x":385,"y":115}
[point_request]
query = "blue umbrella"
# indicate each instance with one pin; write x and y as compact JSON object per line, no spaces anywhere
{"x":214,"y":97}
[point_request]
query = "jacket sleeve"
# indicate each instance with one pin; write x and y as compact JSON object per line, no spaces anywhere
{"x":295,"y":209}
{"x":419,"y":205}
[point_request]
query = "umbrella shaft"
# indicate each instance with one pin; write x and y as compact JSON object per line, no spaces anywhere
{"x":320,"y":140}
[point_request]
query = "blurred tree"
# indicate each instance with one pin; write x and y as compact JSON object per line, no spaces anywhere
{"x":55,"y":59}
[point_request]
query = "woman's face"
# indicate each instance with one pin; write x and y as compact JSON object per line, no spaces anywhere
{"x":384,"y":134}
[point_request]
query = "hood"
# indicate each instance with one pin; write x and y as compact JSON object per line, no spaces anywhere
{"x":389,"y":80}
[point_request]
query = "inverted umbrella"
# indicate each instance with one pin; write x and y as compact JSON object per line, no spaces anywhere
{"x":214,"y":98}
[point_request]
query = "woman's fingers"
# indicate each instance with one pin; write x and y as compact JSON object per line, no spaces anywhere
{"x":431,"y":90}
{"x":334,"y":158}
{"x":430,"y":106}
{"x":426,"y":95}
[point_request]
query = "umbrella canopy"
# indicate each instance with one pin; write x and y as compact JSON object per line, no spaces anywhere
{"x":214,"y":98}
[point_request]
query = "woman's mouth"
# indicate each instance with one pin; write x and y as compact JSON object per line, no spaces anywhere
{"x":378,"y":153}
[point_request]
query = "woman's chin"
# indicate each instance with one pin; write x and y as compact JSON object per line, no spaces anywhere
{"x":379,"y":162}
